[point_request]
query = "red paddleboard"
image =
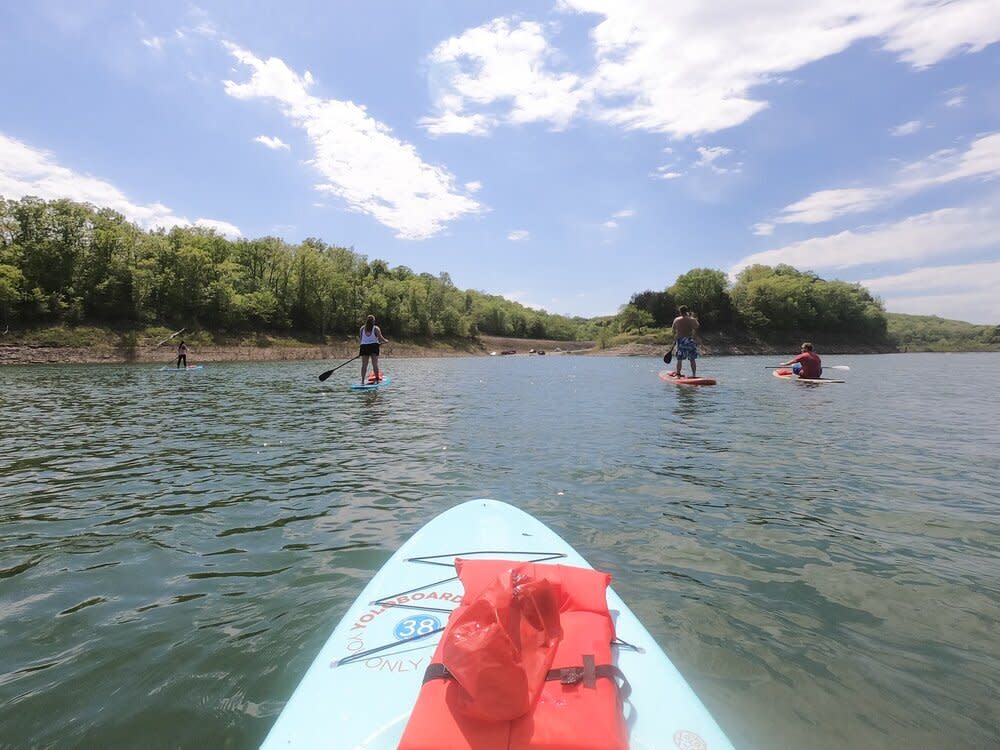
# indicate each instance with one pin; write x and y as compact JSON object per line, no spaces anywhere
{"x":672,"y":377}
{"x":786,"y":373}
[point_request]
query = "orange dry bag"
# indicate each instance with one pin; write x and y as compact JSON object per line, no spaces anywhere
{"x":500,"y":647}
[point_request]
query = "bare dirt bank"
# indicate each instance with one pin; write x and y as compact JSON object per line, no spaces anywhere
{"x":25,"y":354}
{"x":714,"y":344}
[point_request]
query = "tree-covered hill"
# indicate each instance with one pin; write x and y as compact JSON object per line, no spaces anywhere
{"x":66,"y":263}
{"x":929,"y":333}
{"x":765,"y":304}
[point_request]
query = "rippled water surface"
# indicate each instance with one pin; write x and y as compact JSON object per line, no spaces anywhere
{"x":820,"y":562}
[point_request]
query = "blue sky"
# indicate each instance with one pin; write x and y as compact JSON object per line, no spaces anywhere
{"x":565,"y":154}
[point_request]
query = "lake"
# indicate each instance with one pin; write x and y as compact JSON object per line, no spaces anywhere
{"x":822,"y":563}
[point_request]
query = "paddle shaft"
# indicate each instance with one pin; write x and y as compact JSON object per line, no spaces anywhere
{"x":328,"y":373}
{"x":825,"y":367}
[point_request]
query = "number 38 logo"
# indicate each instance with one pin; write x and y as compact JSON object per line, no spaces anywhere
{"x":415,"y":626}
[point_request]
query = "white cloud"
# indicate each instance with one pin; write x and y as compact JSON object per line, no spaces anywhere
{"x":364,"y":164}
{"x":961,"y":292}
{"x":680,"y":68}
{"x":666,"y":172}
{"x":625,"y":213}
{"x":907,"y":128}
{"x":824,"y":205}
{"x":28,"y":171}
{"x":610,"y":224}
{"x":980,"y":160}
{"x":154,"y":43}
{"x":925,"y":33}
{"x":936,"y":233}
{"x":518,"y":235}
{"x":763,"y":229}
{"x":500,"y":61}
{"x":518,"y":297}
{"x":272,"y":142}
{"x":941,"y":278}
{"x":222,"y":227}
{"x":450,"y":123}
{"x":710,"y":155}
{"x":955,"y":102}
{"x":474,"y":187}
{"x":982,"y":307}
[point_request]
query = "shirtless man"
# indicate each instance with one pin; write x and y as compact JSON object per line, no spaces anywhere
{"x":685,"y":346}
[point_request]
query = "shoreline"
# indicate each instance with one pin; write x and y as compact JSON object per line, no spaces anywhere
{"x":38,"y":354}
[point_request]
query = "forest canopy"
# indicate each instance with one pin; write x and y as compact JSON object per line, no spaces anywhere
{"x":66,"y":263}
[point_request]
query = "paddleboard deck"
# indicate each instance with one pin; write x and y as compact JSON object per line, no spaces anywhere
{"x":787,"y":374}
{"x":370,"y":386}
{"x":189,"y":368}
{"x":360,"y":689}
{"x":670,"y":376}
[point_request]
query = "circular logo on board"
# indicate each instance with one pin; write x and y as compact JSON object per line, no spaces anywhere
{"x":687,"y":740}
{"x":415,"y":626}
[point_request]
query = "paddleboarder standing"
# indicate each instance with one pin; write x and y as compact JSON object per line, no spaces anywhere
{"x":371,"y":337}
{"x":685,"y":346}
{"x":182,"y":355}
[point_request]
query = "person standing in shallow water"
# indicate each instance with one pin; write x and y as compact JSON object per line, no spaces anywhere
{"x":685,"y":347}
{"x":182,"y":355}
{"x":371,"y":337}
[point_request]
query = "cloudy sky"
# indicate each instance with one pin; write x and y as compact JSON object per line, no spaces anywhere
{"x":565,"y":153}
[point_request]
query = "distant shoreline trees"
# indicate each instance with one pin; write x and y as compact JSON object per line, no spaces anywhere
{"x":66,"y":263}
{"x":763,"y":300}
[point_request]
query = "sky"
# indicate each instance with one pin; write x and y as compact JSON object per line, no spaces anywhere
{"x":565,"y":154}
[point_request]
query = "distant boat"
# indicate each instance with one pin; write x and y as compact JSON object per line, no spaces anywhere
{"x":509,"y":351}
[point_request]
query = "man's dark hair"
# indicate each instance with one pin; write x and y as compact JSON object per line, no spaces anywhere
{"x":683,"y":309}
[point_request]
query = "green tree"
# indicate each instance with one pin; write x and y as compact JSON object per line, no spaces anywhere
{"x":12,"y":284}
{"x":660,"y":305}
{"x":704,"y":290}
{"x":631,"y":318}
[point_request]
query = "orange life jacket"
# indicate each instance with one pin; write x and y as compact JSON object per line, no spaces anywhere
{"x":576,"y":706}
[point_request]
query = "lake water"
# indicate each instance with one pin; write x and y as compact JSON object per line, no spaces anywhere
{"x":822,"y":563}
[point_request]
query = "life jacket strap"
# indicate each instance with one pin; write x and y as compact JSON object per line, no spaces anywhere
{"x":588,"y":674}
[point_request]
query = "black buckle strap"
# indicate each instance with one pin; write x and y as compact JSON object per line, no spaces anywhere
{"x":436,"y":671}
{"x":588,"y":674}
{"x":589,"y":677}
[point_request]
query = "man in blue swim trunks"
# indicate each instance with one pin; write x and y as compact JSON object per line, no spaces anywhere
{"x":685,"y":346}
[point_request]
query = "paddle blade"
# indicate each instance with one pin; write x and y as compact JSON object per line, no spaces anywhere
{"x":326,"y":374}
{"x":837,"y":367}
{"x":668,"y":356}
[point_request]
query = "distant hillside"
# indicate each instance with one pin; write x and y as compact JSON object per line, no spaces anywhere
{"x":929,"y":333}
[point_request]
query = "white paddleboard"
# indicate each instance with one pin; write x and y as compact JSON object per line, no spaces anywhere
{"x":371,"y":386}
{"x":365,"y":702}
